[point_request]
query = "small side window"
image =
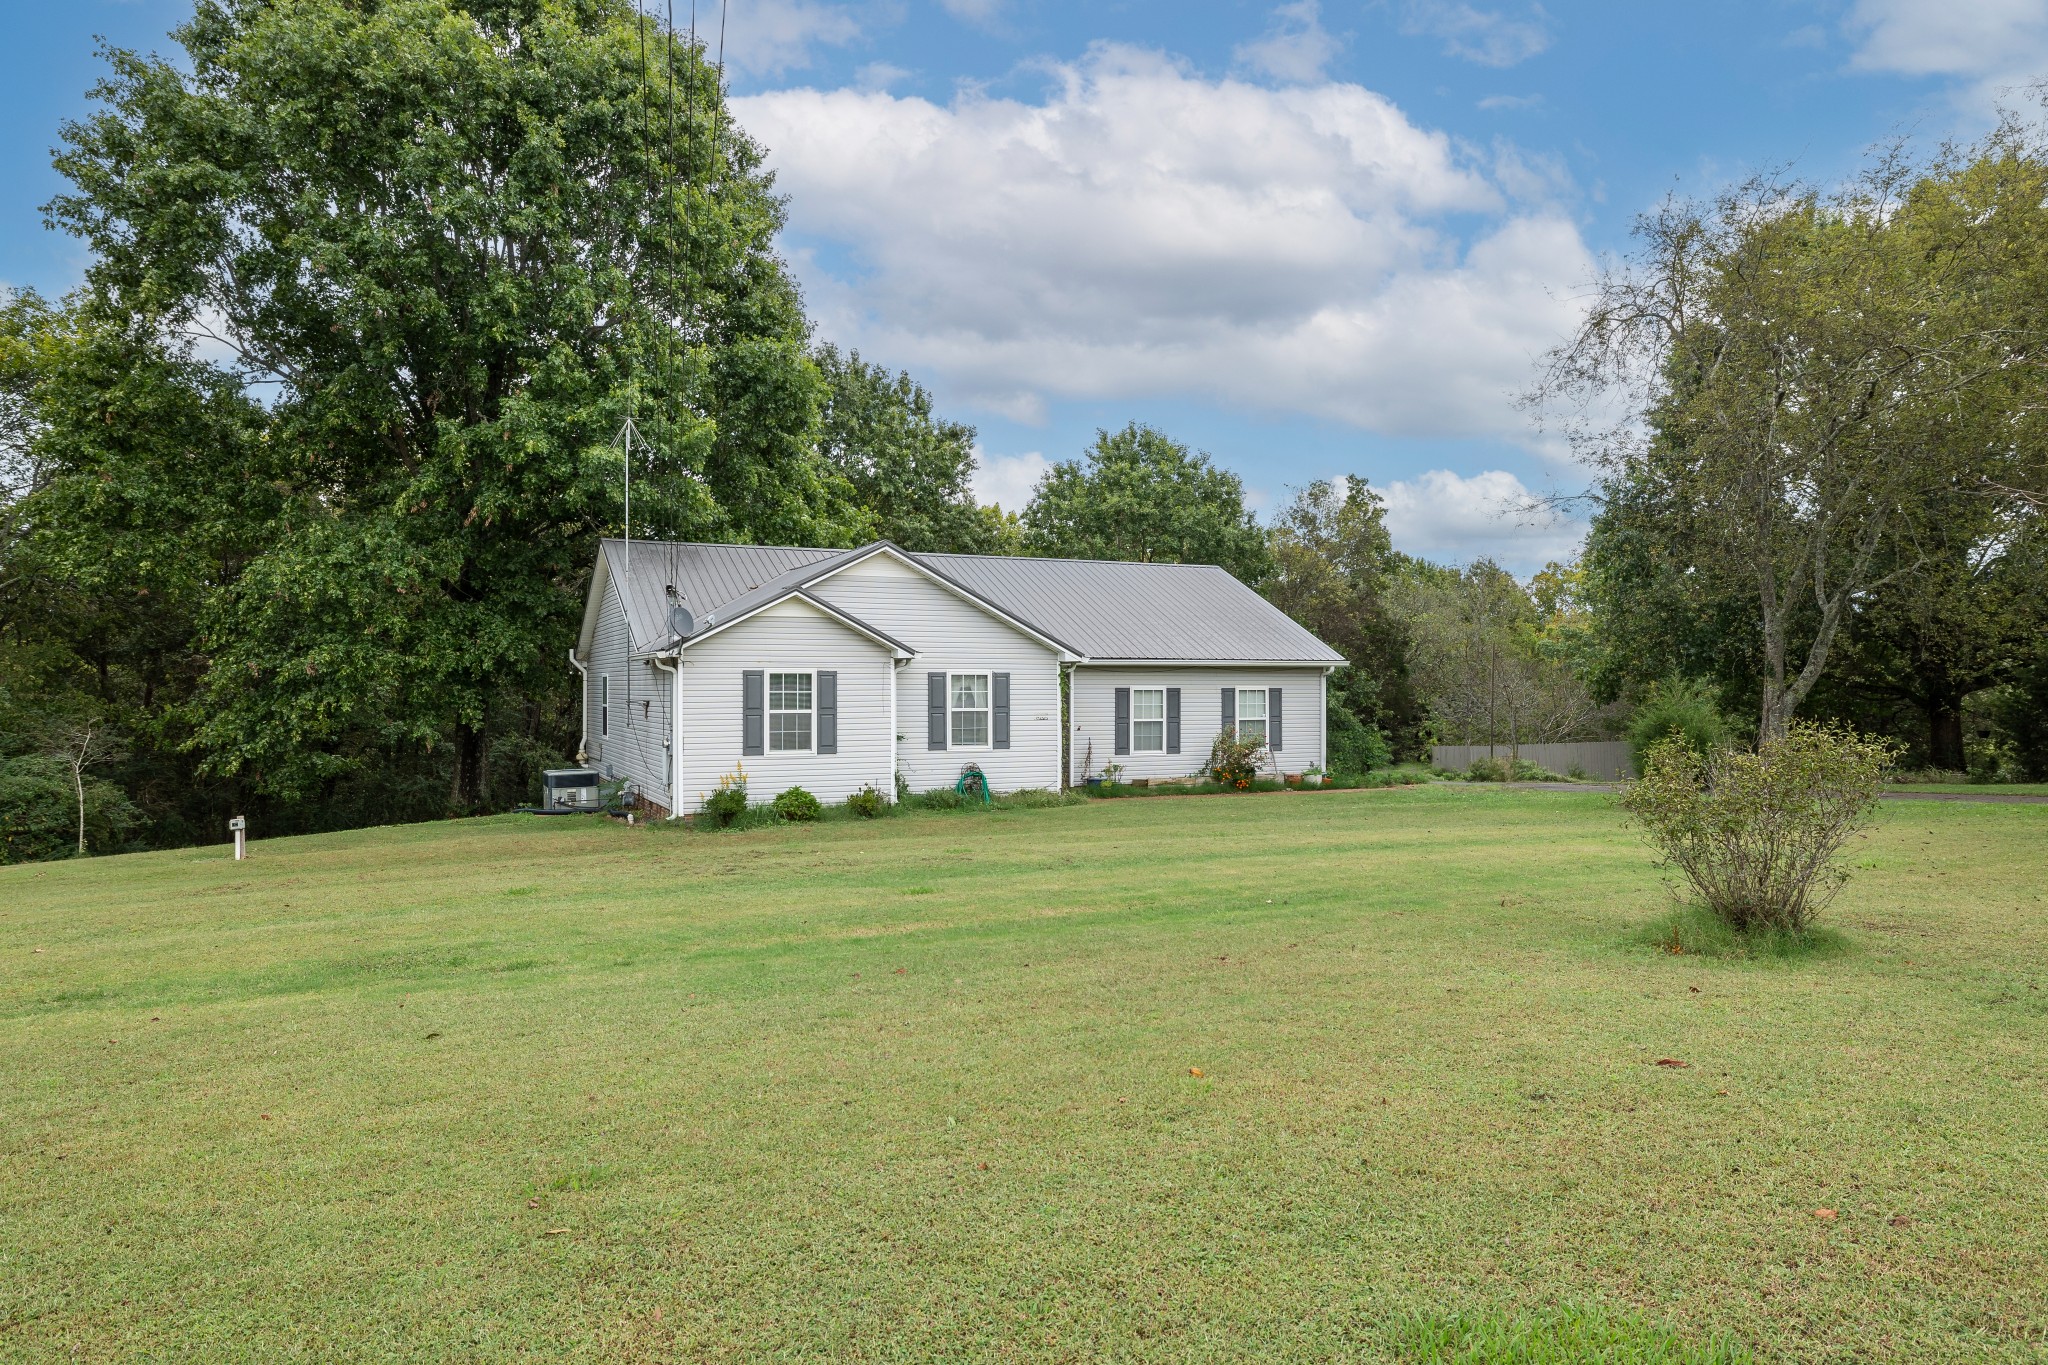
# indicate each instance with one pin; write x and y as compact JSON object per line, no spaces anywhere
{"x":604,"y":704}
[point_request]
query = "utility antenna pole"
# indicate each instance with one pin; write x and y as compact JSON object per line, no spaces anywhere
{"x":625,"y":439}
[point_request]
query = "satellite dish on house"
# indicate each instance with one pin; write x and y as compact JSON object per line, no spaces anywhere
{"x":682,"y":622}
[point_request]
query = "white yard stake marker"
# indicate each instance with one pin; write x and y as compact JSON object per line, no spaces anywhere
{"x":240,"y":826}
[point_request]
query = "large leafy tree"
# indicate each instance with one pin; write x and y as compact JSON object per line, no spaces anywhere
{"x":461,"y":246}
{"x":1333,"y":565}
{"x":140,"y":486}
{"x":908,"y":468}
{"x":1139,"y":494}
{"x":1795,"y":362}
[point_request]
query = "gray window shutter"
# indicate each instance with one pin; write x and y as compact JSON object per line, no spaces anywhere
{"x":1173,"y":720}
{"x":1229,"y":709}
{"x":1123,"y":720}
{"x":828,"y":712}
{"x":753,"y":712}
{"x":935,"y":704}
{"x":999,"y":710}
{"x":1273,"y":719}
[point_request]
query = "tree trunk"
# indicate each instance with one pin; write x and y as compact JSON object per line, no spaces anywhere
{"x":466,"y":793}
{"x":1945,"y":734}
{"x":78,"y":783}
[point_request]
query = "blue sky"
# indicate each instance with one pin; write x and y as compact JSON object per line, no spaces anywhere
{"x":1312,"y":239}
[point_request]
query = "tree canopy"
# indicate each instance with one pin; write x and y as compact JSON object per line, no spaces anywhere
{"x":1805,"y":377}
{"x":461,"y":247}
{"x":1139,"y":494}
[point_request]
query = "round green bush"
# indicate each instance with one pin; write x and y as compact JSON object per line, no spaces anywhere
{"x":867,"y":803}
{"x":1682,"y":706}
{"x":796,"y":804}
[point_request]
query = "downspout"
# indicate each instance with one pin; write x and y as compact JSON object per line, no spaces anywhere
{"x":675,"y":720}
{"x":895,"y":721}
{"x":583,"y":741}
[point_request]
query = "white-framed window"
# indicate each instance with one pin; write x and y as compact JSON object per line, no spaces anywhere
{"x":1251,"y":714}
{"x":967,"y":706}
{"x":791,"y":713}
{"x":604,"y":704}
{"x":1148,"y":720}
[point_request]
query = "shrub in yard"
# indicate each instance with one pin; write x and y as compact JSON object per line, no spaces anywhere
{"x":1756,"y":833}
{"x":1234,"y":762}
{"x":1356,"y":747}
{"x":729,"y":802}
{"x":867,"y":803}
{"x":1682,"y":706}
{"x":796,"y":804}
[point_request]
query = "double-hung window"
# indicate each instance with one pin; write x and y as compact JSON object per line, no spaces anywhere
{"x":1251,"y":714}
{"x":1148,"y":720}
{"x":604,"y":704}
{"x":790,"y":713}
{"x":968,"y":725}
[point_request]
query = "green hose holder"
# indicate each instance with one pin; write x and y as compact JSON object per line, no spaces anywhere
{"x":973,"y":779}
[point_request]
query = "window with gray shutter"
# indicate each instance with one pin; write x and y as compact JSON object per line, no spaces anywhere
{"x":1273,"y":719}
{"x":828,"y":712}
{"x":753,"y":712}
{"x":999,"y":707}
{"x":1229,"y":709}
{"x":1123,"y":720}
{"x":1173,"y":720}
{"x":935,"y":706}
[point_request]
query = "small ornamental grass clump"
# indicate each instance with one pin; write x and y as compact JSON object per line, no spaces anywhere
{"x":796,"y":805}
{"x":1234,"y":761}
{"x":1756,"y":834}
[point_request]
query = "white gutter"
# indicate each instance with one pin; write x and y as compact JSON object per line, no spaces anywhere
{"x":583,"y":741}
{"x":675,"y":720}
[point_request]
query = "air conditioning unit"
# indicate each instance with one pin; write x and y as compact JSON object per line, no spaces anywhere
{"x":570,"y":788}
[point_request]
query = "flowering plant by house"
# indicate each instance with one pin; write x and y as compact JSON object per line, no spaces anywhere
{"x":729,"y":802}
{"x":1234,"y":761}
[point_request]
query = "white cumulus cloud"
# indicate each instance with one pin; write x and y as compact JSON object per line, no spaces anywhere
{"x":1488,"y":37}
{"x":769,"y":37}
{"x":1990,"y":48}
{"x":1450,"y":518}
{"x":1143,"y":231}
{"x":1929,"y":38}
{"x":1006,"y":481}
{"x":1296,"y":48}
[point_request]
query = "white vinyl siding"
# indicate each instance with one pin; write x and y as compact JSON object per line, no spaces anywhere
{"x":1093,"y":715}
{"x":628,"y":702}
{"x":955,"y":636}
{"x":790,"y":637}
{"x":1148,"y":720}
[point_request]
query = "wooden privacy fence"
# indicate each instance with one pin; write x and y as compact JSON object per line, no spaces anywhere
{"x":1608,"y":759}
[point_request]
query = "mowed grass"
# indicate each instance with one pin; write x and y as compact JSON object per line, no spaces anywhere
{"x":922,"y":1089}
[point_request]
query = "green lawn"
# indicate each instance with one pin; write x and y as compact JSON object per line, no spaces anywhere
{"x":921,"y":1090}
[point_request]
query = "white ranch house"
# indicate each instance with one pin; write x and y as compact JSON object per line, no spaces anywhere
{"x":838,"y":669}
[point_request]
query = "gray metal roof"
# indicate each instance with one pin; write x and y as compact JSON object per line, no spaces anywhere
{"x":1105,"y":610}
{"x":708,"y":577}
{"x":1114,"y":609}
